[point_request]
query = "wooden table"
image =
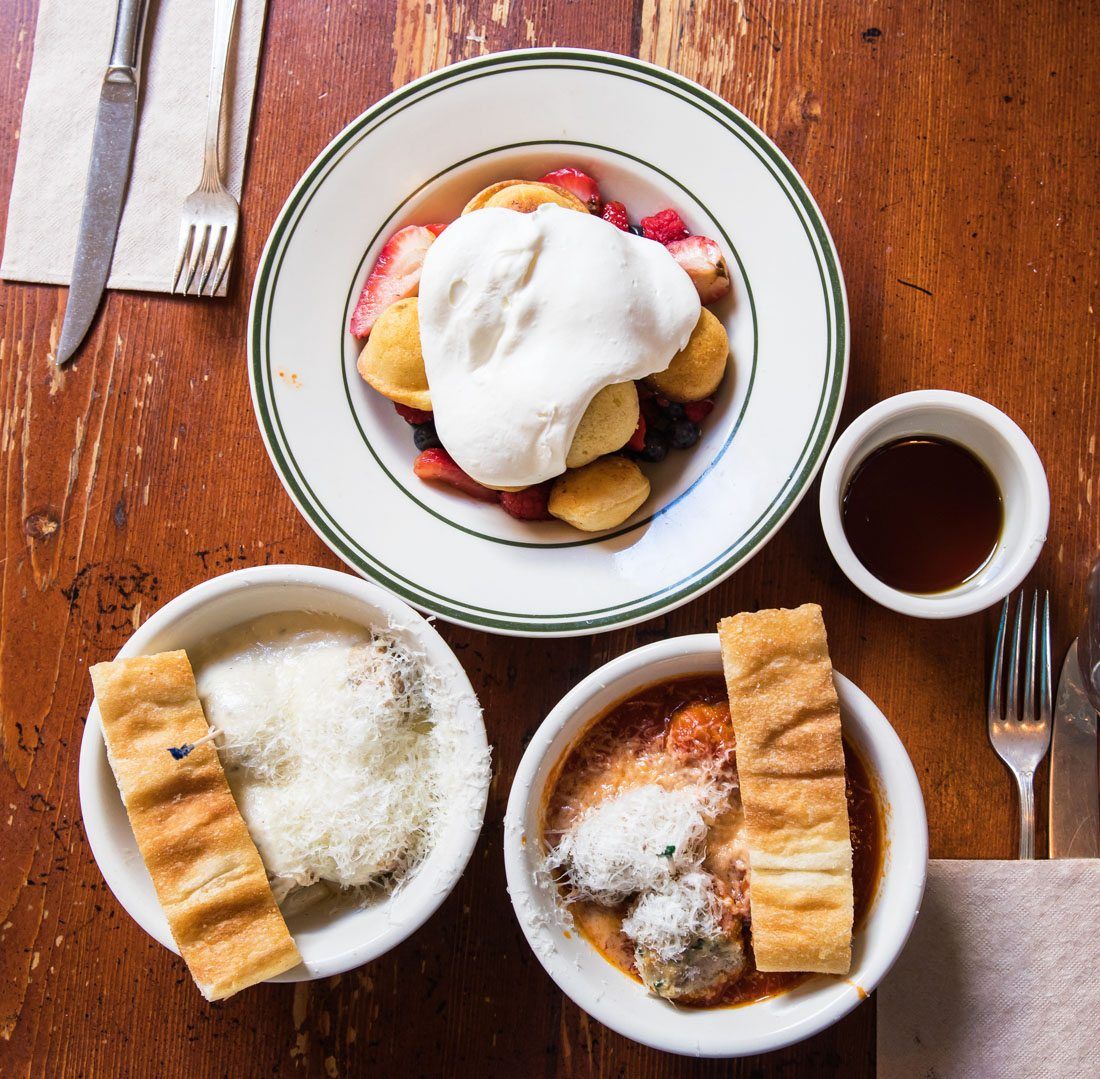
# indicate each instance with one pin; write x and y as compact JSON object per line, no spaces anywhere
{"x":953,"y":151}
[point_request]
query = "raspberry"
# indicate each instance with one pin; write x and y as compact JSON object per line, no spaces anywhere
{"x":697,"y":411}
{"x":615,"y":212}
{"x":665,"y":227}
{"x":637,"y":440}
{"x":414,"y":417}
{"x":530,"y":504}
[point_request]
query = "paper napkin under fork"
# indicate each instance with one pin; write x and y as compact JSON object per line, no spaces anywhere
{"x":1001,"y":977}
{"x":71,"y":47}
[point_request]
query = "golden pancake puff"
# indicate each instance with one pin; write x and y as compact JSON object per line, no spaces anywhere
{"x":697,"y":369}
{"x":600,"y":495}
{"x":391,"y":361}
{"x":524,"y":196}
{"x":607,"y":424}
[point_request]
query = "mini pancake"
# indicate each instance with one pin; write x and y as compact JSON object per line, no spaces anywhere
{"x":523,"y":196}
{"x":391,"y":361}
{"x":697,"y":369}
{"x":600,"y":495}
{"x":607,"y":424}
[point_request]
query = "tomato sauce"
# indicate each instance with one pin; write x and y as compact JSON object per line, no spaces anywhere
{"x":615,"y":751}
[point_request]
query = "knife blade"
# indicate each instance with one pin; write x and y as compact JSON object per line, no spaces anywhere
{"x":1074,"y":788}
{"x":108,"y":174}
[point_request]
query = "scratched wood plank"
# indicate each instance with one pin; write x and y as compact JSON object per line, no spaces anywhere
{"x":953,"y":151}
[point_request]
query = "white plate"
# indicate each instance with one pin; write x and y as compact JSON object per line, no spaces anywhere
{"x":623,"y":1004}
{"x":330,"y":940}
{"x":652,"y":139}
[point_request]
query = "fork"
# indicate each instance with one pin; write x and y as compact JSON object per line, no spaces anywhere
{"x":208,"y":226}
{"x":1021,"y":734}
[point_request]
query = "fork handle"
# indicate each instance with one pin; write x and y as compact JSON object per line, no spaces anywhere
{"x":225,"y":15}
{"x":1025,"y":785}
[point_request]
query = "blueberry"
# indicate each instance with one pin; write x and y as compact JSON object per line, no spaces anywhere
{"x":674,"y":411}
{"x":425,"y":438}
{"x":656,"y":447}
{"x":684,"y":435}
{"x":637,"y":230}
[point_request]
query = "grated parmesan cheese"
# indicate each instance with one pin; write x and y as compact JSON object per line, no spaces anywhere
{"x":634,"y":841}
{"x":668,"y":921}
{"x":340,"y":746}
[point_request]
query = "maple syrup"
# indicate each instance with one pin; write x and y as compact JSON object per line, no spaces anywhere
{"x":923,"y":514}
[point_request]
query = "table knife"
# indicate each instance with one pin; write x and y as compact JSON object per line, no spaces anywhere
{"x":108,"y":173}
{"x":1088,"y":644}
{"x":1074,"y":790}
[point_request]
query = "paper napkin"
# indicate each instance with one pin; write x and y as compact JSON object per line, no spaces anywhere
{"x":71,"y":47}
{"x":1001,"y":977}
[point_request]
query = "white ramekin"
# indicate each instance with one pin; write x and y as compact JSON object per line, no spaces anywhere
{"x":619,"y":1001}
{"x":331,"y":942}
{"x":998,"y":442}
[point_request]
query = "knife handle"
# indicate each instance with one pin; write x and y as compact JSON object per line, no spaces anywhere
{"x":126,"y":47}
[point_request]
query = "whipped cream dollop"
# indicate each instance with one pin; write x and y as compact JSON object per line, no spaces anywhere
{"x":524,"y":318}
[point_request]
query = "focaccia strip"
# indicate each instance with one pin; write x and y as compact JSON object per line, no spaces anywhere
{"x":790,"y":760}
{"x":205,"y":867}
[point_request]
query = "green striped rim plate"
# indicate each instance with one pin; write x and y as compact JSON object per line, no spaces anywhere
{"x":653,"y":139}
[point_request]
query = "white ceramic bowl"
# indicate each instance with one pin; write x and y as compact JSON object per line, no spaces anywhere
{"x":1007,"y":453}
{"x":653,"y":139}
{"x":623,"y":1004}
{"x":330,"y":943}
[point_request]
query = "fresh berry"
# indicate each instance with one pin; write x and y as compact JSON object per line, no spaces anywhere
{"x":697,"y":411}
{"x":673,"y":410}
{"x":637,"y":440}
{"x":425,"y":438}
{"x":577,"y":183}
{"x":395,"y":276}
{"x":702,"y":259}
{"x":436,"y":229}
{"x":439,"y":465}
{"x":656,"y":447}
{"x":665,"y":227}
{"x":684,"y":435}
{"x":637,"y":230}
{"x":615,"y":212}
{"x":530,"y":504}
{"x":412,"y":416}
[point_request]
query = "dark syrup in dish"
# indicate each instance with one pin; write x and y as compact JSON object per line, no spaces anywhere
{"x":923,"y":514}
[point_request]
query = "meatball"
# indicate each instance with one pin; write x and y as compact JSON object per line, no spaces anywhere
{"x":701,"y":731}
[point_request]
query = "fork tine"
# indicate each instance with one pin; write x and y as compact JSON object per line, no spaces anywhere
{"x":998,"y":663}
{"x":1029,"y":715}
{"x":212,"y":252}
{"x":1046,"y":704}
{"x":197,"y":252}
{"x":1012,"y":694}
{"x":187,"y":237}
{"x":226,"y":258}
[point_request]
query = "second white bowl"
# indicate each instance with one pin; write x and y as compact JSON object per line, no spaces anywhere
{"x":622,"y":1003}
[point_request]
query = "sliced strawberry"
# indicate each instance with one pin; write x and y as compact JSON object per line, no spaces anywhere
{"x":438,"y":465}
{"x":615,"y":212}
{"x":578,"y":183}
{"x":414,"y":417}
{"x":664,"y":227}
{"x":697,"y":411}
{"x":637,"y":440}
{"x":395,"y":276}
{"x":702,"y":259}
{"x":530,"y":504}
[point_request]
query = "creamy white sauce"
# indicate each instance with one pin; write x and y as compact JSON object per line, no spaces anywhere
{"x":524,"y":318}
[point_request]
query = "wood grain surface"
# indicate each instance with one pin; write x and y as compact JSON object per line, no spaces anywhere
{"x":953,"y":149}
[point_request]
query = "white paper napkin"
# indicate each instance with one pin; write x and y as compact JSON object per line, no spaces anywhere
{"x":1001,"y":977}
{"x":71,"y":47}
